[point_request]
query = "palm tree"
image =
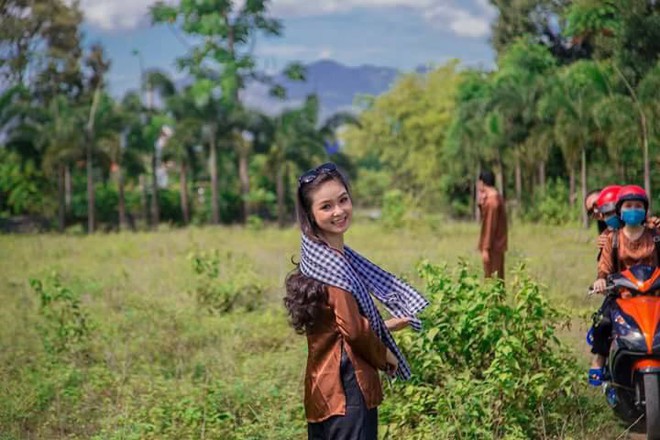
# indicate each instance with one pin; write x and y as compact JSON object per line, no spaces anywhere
{"x":187,"y":134}
{"x":98,"y":66}
{"x":61,"y":140}
{"x":573,"y":95}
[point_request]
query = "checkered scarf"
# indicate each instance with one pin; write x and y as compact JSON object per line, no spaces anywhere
{"x":354,"y":273}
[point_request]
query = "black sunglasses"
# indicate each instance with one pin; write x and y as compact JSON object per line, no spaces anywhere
{"x":312,"y":174}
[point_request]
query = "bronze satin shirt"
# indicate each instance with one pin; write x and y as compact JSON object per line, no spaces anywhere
{"x":631,"y":252}
{"x":341,"y":323}
{"x":493,"y":236}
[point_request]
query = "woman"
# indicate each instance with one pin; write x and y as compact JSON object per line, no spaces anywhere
{"x":632,"y":244}
{"x":328,"y":299}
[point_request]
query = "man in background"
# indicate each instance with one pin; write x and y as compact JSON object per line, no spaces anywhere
{"x":493,"y":239}
{"x":590,"y":206}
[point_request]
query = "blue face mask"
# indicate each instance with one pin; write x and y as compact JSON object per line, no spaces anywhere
{"x":633,"y":217}
{"x":613,"y":222}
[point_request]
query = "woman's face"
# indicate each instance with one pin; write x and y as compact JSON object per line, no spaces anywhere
{"x":632,"y":204}
{"x":332,"y":208}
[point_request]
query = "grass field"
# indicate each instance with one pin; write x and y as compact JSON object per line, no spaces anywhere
{"x":156,"y":365}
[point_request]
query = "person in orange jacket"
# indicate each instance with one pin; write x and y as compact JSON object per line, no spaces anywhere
{"x":633,"y":243}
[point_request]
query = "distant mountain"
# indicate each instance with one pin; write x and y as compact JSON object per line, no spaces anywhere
{"x":335,"y":84}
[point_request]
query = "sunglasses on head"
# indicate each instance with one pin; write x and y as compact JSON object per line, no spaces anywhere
{"x":312,"y":174}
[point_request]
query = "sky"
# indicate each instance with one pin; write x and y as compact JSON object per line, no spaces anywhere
{"x":403,"y":34}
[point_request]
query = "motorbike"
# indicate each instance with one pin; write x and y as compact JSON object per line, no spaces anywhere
{"x":632,"y":376}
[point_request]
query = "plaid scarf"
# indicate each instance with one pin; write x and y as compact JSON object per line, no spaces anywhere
{"x":354,"y":273}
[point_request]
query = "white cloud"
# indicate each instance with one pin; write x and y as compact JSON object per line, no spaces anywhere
{"x":116,"y":14}
{"x":325,"y":54}
{"x":460,"y":21}
{"x":445,"y":14}
{"x":267,"y":52}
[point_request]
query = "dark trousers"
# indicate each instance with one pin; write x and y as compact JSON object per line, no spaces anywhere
{"x":359,"y":422}
{"x":603,"y":328}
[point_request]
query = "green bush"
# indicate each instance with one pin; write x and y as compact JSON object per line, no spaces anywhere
{"x":255,"y":223}
{"x":394,"y":209}
{"x":488,"y":365}
{"x":23,"y":187}
{"x":551,"y":206}
{"x":227,"y":283}
{"x":65,"y":327}
{"x":371,"y":186}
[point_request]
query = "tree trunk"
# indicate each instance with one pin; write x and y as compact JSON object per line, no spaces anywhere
{"x":542,"y":176}
{"x":583,"y":178}
{"x":644,"y":134}
{"x":280,"y":187}
{"x":647,"y":163}
{"x":518,"y":172}
{"x":144,"y":200}
{"x":61,"y":198}
{"x":185,"y":206}
{"x":89,"y":137}
{"x":287,"y":187}
{"x":90,"y":186}
{"x":213,"y":169}
{"x":68,"y":188}
{"x":571,"y":187}
{"x":123,"y":224}
{"x":499,"y":176}
{"x":475,"y":198}
{"x":155,"y":209}
{"x":244,"y":177}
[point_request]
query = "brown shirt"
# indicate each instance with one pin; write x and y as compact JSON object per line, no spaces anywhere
{"x":341,"y":324}
{"x":630,"y":252}
{"x":493,"y":223}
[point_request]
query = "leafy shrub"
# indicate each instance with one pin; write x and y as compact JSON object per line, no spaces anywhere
{"x":371,"y":186}
{"x":551,"y":206}
{"x":394,"y":209}
{"x":254,"y":223}
{"x":65,"y":328}
{"x":23,"y":187}
{"x":227,"y":283}
{"x":488,"y":365}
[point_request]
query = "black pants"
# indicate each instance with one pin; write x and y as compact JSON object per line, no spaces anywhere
{"x":603,"y":328}
{"x":359,"y":423}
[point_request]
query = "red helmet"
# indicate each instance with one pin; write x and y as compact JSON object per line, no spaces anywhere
{"x":631,"y":192}
{"x":606,"y":202}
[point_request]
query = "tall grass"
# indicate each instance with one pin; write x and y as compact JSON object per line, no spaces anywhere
{"x":157,"y":365}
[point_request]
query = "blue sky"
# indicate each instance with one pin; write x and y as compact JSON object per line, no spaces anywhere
{"x":397,"y":33}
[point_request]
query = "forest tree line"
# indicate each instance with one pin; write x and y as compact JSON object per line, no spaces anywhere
{"x":571,"y":105}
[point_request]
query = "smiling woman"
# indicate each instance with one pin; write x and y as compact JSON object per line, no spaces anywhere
{"x":328,"y":299}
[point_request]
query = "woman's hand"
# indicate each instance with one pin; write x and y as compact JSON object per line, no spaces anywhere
{"x":602,"y":240}
{"x":599,"y":285}
{"x":392,"y":363}
{"x":396,"y":324}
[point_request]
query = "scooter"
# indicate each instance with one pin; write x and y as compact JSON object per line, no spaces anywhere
{"x":632,"y":377}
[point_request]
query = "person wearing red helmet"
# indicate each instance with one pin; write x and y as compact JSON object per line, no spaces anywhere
{"x":590,"y":205}
{"x":632,"y":244}
{"x":605,"y":212}
{"x":606,"y":206}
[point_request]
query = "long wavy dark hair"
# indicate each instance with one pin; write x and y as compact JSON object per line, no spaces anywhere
{"x":306,"y":297}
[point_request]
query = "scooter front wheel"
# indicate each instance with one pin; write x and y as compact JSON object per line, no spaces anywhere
{"x":652,"y":407}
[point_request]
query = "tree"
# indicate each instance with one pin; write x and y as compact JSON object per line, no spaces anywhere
{"x":222,"y":63}
{"x":572,"y":97}
{"x":517,"y":88}
{"x":98,"y":67}
{"x":405,"y":129}
{"x":541,"y":20}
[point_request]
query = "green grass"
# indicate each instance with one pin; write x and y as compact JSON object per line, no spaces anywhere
{"x":158,"y":366}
